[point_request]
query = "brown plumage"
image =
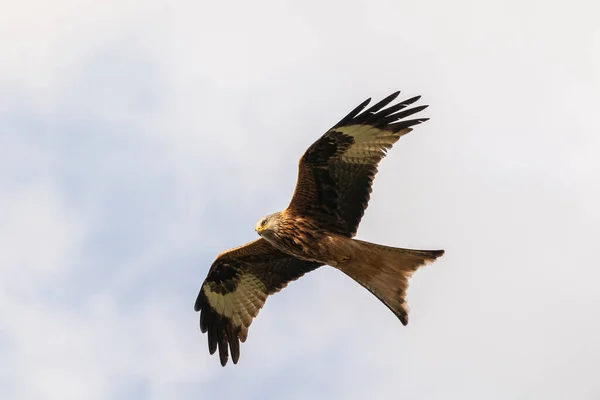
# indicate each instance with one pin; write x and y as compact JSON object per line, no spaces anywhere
{"x":335,"y":176}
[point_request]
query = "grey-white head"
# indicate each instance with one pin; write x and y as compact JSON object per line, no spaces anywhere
{"x":269,"y":225}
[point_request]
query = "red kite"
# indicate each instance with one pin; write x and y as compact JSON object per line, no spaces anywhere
{"x":332,"y":192}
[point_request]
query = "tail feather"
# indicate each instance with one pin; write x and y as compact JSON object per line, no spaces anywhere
{"x":385,"y":271}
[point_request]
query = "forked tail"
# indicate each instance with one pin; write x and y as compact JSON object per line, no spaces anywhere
{"x":385,"y":271}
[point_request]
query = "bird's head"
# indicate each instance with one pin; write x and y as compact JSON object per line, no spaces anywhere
{"x":268,"y":225}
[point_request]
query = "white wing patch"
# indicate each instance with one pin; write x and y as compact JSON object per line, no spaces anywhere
{"x":241,"y":305}
{"x":369,"y":143}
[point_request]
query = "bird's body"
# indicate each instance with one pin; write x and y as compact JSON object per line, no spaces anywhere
{"x":317,"y":228}
{"x":304,"y":239}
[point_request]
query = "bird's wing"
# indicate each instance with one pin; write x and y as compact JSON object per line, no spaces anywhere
{"x":237,"y":287}
{"x":337,"y":171}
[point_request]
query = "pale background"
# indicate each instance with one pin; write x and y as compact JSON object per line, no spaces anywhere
{"x":139,"y":139}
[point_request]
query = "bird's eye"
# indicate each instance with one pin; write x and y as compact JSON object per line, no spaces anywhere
{"x":263,"y":223}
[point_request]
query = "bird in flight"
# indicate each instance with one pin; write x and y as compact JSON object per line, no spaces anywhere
{"x":317,"y":228}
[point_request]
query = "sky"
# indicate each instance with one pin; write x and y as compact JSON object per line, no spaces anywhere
{"x":140,"y":139}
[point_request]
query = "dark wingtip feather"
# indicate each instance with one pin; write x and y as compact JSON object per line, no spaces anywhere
{"x":379,"y":116}
{"x":221,"y":334}
{"x":204,"y":312}
{"x":414,"y":99}
{"x":383,"y":103}
{"x":406,"y":124}
{"x":223,"y":343}
{"x":203,"y":323}
{"x":353,"y":113}
{"x":208,"y":322}
{"x":234,"y":345}
{"x":406,"y":113}
{"x":212,"y":338}
{"x":198,"y":303}
{"x":363,"y":104}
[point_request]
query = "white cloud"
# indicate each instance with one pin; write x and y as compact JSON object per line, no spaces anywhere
{"x":143,"y":140}
{"x":36,"y":231}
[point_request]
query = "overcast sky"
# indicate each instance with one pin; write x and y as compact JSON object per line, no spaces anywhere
{"x":140,"y":139}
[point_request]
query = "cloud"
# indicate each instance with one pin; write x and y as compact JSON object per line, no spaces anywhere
{"x":141,"y":140}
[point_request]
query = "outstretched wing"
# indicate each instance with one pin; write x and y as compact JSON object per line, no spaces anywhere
{"x":337,"y":171}
{"x":237,"y":287}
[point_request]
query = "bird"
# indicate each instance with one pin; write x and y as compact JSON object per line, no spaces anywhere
{"x":334,"y":185}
